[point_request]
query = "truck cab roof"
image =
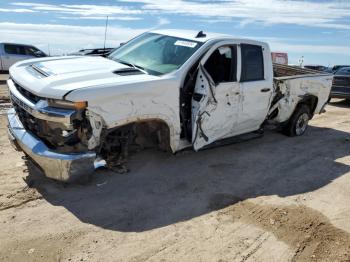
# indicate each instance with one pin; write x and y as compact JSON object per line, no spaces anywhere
{"x":191,"y":34}
{"x":202,"y":36}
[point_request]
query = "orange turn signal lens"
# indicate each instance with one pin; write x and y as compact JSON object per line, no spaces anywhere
{"x":80,"y":105}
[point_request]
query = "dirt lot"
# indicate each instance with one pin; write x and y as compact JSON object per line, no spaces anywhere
{"x":3,"y":90}
{"x":269,"y":199}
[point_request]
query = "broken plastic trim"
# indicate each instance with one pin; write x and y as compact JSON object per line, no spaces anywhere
{"x":199,"y":127}
{"x":210,"y":82}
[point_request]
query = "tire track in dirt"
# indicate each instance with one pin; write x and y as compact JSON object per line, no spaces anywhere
{"x":19,"y":203}
{"x":45,"y":248}
{"x":305,"y":230}
{"x":253,"y":248}
{"x":19,"y":198}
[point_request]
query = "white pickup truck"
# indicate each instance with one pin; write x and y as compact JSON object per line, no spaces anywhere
{"x":175,"y":89}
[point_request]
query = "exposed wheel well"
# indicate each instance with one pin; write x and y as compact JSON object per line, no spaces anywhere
{"x":311,"y":101}
{"x":142,"y":134}
{"x":153,"y":133}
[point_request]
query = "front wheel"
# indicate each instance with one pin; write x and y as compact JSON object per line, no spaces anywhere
{"x":298,"y":123}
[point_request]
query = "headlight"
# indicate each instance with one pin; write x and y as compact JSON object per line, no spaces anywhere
{"x":79,"y":105}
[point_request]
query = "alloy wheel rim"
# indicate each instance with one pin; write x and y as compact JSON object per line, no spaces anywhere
{"x":302,"y":124}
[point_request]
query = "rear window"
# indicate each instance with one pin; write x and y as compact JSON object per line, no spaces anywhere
{"x":252,"y":63}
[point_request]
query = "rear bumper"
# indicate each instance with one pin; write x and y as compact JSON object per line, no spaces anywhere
{"x":62,"y":167}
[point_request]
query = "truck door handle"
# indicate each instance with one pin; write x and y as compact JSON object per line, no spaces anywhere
{"x":264,"y":90}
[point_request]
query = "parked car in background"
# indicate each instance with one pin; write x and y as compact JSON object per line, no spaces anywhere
{"x":341,"y":83}
{"x":329,"y":70}
{"x":337,"y":67}
{"x":94,"y":52}
{"x":316,"y":67}
{"x":12,"y":53}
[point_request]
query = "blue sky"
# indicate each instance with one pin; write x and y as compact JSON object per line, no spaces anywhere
{"x":319,"y":30}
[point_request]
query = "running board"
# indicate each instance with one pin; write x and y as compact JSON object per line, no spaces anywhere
{"x":235,"y":139}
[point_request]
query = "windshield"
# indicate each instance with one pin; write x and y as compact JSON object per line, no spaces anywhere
{"x":156,"y":54}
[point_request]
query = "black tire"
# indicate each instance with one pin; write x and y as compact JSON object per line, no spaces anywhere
{"x":298,"y":123}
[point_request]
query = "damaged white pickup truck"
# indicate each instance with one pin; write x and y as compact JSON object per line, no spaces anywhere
{"x":174,"y":89}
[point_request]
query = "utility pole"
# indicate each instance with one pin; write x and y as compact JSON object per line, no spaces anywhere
{"x":104,"y":44}
{"x":301,"y":61}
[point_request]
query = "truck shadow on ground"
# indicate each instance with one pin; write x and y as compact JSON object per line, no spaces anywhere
{"x":163,"y":189}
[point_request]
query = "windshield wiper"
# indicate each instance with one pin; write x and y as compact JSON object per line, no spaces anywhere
{"x":139,"y":67}
{"x":131,"y":65}
{"x":125,"y":63}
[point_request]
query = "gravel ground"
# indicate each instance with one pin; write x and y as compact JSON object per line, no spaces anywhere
{"x":269,"y":199}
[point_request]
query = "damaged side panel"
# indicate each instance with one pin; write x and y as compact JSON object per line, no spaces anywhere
{"x":96,"y":123}
{"x":132,"y":103}
{"x":123,"y":119}
{"x":291,"y":91}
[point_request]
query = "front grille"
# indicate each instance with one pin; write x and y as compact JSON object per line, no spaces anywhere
{"x":50,"y":135}
{"x":30,"y":96}
{"x":36,"y":127}
{"x":30,"y":123}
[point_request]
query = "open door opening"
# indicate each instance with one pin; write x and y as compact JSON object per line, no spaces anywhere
{"x":214,"y":104}
{"x":186,"y":94}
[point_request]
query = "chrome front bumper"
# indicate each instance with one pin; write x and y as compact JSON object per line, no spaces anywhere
{"x":62,"y":167}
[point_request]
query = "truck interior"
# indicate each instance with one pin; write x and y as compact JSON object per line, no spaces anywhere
{"x":221,"y":67}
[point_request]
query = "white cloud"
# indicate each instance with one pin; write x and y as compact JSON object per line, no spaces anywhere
{"x":318,"y":14}
{"x":163,"y":21}
{"x":82,"y":10}
{"x":65,"y":38}
{"x":309,"y":49}
{"x":16,"y":10}
{"x":292,"y":45}
{"x":120,"y":18}
{"x":68,"y":38}
{"x":326,"y":14}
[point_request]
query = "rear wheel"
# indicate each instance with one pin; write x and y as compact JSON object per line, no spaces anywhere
{"x":298,"y":123}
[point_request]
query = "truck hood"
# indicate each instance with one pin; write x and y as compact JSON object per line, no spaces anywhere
{"x":79,"y":64}
{"x":55,"y":77}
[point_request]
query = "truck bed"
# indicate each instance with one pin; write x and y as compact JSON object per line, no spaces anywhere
{"x":281,"y":72}
{"x":292,"y":84}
